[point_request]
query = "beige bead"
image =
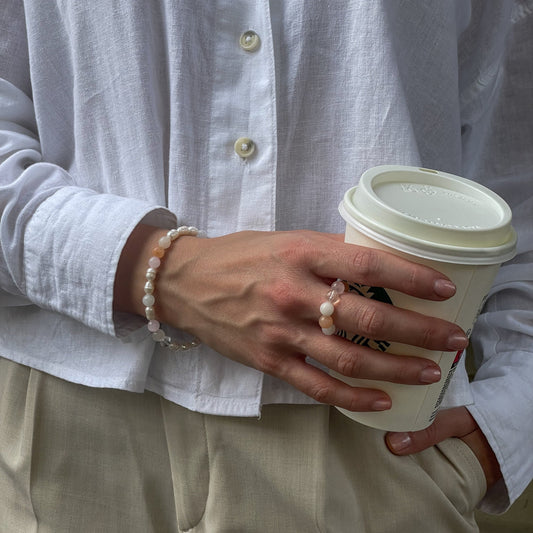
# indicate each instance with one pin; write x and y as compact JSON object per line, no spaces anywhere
{"x":325,"y":321}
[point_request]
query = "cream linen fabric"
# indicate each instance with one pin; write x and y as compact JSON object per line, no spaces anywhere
{"x":106,"y":461}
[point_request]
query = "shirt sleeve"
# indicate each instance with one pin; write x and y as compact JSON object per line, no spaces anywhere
{"x":59,"y":243}
{"x":502,"y":389}
{"x":497,"y":118}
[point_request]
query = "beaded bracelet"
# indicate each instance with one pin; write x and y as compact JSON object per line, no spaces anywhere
{"x":327,"y":307}
{"x":154,"y":327}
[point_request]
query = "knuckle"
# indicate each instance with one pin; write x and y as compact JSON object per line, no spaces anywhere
{"x":348,"y":363}
{"x":356,"y":402}
{"x":412,"y":282}
{"x":365,"y":261}
{"x":370,"y":320}
{"x":281,"y":294}
{"x":267,"y":363}
{"x":404,"y":373}
{"x":427,"y":337}
{"x":285,"y":294}
{"x":272,"y":334}
{"x":321,"y":393}
{"x":296,"y":248}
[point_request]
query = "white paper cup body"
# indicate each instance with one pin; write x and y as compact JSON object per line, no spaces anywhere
{"x":448,"y":223}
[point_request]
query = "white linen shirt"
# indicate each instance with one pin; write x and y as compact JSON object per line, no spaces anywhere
{"x":114,"y":113}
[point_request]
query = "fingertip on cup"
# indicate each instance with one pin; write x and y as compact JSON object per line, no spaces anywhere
{"x":444,"y":288}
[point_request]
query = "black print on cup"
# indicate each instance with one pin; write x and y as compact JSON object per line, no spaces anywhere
{"x":374,"y":293}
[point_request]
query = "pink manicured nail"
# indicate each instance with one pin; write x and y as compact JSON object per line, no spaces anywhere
{"x":457,"y":341}
{"x":398,"y":441}
{"x":429,"y":375}
{"x":381,"y":405}
{"x":444,"y":288}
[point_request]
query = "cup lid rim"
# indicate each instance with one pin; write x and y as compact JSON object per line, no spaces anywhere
{"x":365,"y":209}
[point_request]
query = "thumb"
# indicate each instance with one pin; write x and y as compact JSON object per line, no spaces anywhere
{"x":454,"y":422}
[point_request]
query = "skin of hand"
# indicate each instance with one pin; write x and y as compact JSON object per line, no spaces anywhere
{"x":455,"y":422}
{"x":255,"y":296}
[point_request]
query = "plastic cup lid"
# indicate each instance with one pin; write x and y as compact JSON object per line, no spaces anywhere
{"x":431,"y":214}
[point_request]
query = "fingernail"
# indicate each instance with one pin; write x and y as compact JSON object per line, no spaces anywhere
{"x":398,"y":441}
{"x":429,"y":375}
{"x":381,"y":405}
{"x":444,"y":288}
{"x":457,"y":341}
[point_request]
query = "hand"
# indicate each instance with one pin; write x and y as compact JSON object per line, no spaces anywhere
{"x":255,"y":296}
{"x":455,"y":422}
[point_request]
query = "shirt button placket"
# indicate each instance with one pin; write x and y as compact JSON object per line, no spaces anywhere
{"x":250,"y":42}
{"x":244,"y":147}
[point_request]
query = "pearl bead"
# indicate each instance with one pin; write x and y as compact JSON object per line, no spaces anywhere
{"x":328,"y":331}
{"x":327,"y":308}
{"x":154,"y":262}
{"x":148,"y":300}
{"x":149,"y":287}
{"x":338,"y":286}
{"x":164,"y":242}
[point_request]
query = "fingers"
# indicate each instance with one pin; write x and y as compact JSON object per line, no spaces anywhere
{"x":378,"y":268}
{"x":377,"y":320}
{"x":325,"y":389}
{"x":255,"y":298}
{"x":456,"y":422}
{"x":354,"y":360}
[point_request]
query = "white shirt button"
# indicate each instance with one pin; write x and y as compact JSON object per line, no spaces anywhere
{"x":244,"y":147}
{"x":250,"y":41}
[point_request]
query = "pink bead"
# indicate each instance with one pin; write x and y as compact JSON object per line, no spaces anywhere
{"x":333,"y":296}
{"x":153,"y":325}
{"x":338,"y":286}
{"x":154,"y":262}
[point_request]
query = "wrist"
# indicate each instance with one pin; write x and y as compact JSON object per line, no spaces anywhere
{"x":159,"y":252}
{"x":131,"y":271}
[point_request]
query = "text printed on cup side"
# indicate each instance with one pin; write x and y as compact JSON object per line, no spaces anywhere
{"x":445,"y":386}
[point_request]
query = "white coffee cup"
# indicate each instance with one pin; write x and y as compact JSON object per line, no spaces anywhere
{"x":451,"y":224}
